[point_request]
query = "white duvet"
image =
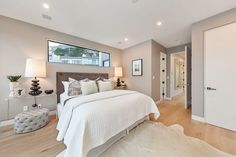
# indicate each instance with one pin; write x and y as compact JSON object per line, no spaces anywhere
{"x":89,"y":121}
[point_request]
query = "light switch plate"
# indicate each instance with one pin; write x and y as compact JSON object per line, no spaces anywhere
{"x":25,"y":108}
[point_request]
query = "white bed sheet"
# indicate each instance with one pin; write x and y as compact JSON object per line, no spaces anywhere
{"x":89,"y":121}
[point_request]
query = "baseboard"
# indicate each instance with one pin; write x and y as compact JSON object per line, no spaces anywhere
{"x":197,"y":118}
{"x":11,"y":121}
{"x":7,"y":122}
{"x":51,"y":113}
{"x":168,"y":98}
{"x":158,"y":101}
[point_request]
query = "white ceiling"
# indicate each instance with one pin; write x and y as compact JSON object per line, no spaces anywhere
{"x":110,"y":21}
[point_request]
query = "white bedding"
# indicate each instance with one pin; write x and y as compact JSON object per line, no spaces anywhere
{"x":63,"y":97}
{"x":89,"y":121}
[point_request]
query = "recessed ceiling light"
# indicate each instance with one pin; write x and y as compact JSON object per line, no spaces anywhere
{"x":159,"y":23}
{"x":126,"y":39}
{"x":46,"y":6}
{"x":135,"y":1}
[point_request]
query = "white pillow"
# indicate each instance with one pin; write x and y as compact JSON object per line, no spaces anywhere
{"x":66,"y":86}
{"x":89,"y":87}
{"x":104,"y":86}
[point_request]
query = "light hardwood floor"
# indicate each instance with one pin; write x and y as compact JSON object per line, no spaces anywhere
{"x":42,"y":143}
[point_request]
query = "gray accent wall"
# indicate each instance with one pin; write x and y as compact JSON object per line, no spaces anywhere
{"x":20,"y":40}
{"x":149,"y":82}
{"x":198,"y":56}
{"x":141,"y":51}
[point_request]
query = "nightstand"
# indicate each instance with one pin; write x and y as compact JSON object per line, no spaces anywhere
{"x":18,"y":104}
{"x":121,"y":88}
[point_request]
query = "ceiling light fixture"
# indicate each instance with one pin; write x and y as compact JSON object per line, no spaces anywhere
{"x":126,"y":39}
{"x":46,"y":6}
{"x":135,"y":1}
{"x":159,"y":23}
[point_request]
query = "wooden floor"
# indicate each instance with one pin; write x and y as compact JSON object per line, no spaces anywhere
{"x":173,"y":112}
{"x":42,"y":143}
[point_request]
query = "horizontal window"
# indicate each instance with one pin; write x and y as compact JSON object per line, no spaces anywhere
{"x":70,"y":54}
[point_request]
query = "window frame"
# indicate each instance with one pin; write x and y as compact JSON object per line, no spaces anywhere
{"x":67,"y":44}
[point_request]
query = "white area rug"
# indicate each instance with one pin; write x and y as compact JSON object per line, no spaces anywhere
{"x":156,"y":140}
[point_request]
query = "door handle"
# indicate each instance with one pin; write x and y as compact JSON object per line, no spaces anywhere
{"x":209,"y":88}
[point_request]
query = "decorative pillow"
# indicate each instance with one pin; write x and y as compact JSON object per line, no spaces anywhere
{"x":89,"y":87}
{"x":104,"y":86}
{"x":75,"y":87}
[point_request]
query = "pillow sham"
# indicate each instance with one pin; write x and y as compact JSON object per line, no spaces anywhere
{"x":88,"y":87}
{"x":105,"y":86}
{"x":74,"y":87}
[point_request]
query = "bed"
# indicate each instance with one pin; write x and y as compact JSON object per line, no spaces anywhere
{"x":89,"y":124}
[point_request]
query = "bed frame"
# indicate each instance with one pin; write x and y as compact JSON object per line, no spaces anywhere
{"x":64,"y":76}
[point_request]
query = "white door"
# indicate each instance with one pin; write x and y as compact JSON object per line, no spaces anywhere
{"x":220,"y":76}
{"x":163,"y":76}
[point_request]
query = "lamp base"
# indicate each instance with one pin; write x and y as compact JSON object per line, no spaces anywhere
{"x":118,"y":84}
{"x":35,"y":90}
{"x":35,"y":105}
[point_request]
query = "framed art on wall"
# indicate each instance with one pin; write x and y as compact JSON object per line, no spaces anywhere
{"x":137,"y":67}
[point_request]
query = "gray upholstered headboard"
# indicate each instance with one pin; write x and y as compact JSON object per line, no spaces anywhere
{"x":64,"y":76}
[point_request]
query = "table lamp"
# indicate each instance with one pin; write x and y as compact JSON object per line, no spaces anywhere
{"x":35,"y":68}
{"x":118,"y":74}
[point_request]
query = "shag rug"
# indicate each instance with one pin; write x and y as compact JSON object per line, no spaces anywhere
{"x":157,"y":140}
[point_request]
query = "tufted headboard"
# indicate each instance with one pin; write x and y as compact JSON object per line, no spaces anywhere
{"x":64,"y":76}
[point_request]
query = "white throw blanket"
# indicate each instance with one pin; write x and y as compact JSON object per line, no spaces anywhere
{"x":89,"y":121}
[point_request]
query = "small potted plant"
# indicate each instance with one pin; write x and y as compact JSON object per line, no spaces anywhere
{"x":13,"y":84}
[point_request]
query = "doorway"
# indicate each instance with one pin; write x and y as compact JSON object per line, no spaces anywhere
{"x":180,"y":76}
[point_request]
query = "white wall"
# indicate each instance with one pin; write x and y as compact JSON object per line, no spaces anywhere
{"x":20,"y":40}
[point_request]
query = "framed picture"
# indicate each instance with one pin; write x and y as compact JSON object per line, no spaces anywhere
{"x":137,"y":67}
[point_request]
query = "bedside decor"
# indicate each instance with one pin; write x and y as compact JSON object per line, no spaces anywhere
{"x":48,"y":91}
{"x":35,"y":68}
{"x":137,"y":67}
{"x":20,"y":92}
{"x":13,"y":84}
{"x":118,"y":74}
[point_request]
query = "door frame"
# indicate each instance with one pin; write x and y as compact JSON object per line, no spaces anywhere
{"x":161,"y":75}
{"x":185,"y":77}
{"x":186,"y":103}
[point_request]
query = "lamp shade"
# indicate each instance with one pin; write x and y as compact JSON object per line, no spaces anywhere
{"x":35,"y":68}
{"x":118,"y":72}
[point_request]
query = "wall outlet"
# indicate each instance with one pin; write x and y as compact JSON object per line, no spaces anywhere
{"x":25,"y":108}
{"x":39,"y":105}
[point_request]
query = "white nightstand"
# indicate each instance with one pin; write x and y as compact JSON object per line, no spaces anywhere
{"x":16,"y":105}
